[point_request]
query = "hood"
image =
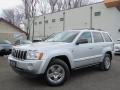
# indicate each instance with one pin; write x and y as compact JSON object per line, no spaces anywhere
{"x":42,"y":46}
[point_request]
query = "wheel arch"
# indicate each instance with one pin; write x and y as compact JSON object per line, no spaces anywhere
{"x":110,"y":53}
{"x":63,"y":58}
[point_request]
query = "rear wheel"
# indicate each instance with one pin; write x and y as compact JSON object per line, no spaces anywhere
{"x":57,"y":73}
{"x":106,"y":64}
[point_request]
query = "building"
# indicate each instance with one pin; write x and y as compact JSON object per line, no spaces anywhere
{"x":104,"y":15}
{"x":10,"y":32}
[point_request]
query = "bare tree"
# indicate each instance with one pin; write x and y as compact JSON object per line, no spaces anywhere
{"x":15,"y":16}
{"x":59,"y":4}
{"x":9,"y":15}
{"x":30,"y":12}
{"x":52,"y":4}
{"x":77,"y":3}
{"x":43,"y":7}
{"x":19,"y":15}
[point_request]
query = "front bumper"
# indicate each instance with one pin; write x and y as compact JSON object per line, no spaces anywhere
{"x":117,"y":51}
{"x":33,"y":67}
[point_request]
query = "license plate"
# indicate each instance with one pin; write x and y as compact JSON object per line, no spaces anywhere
{"x":13,"y":63}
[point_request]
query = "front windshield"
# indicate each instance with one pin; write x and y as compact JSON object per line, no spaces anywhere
{"x":67,"y":36}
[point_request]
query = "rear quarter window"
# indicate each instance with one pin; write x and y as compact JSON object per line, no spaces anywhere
{"x":107,"y":37}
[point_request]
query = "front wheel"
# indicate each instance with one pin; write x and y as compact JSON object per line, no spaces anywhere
{"x":106,"y":64}
{"x":57,"y":73}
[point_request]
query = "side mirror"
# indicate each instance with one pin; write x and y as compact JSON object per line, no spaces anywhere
{"x":82,"y":41}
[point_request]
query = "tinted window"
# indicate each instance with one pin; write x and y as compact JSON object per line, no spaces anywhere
{"x":86,"y":35}
{"x":107,"y":38}
{"x":97,"y":37}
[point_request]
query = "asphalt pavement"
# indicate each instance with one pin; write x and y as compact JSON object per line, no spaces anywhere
{"x":84,"y":79}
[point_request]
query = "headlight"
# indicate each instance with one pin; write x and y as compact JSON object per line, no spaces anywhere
{"x":34,"y":55}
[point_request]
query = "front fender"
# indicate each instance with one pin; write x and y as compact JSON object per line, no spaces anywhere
{"x":56,"y":53}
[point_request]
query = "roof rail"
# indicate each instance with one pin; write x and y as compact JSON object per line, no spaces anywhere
{"x":89,"y":29}
{"x":82,"y":29}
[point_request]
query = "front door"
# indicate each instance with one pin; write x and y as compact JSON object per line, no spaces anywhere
{"x":83,"y":51}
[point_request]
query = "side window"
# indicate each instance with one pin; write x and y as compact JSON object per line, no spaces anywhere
{"x":97,"y":37}
{"x":86,"y":35}
{"x":107,"y":37}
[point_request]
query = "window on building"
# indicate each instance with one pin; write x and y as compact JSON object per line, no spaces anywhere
{"x":46,"y":21}
{"x":107,"y":37}
{"x":53,"y":20}
{"x":40,"y":22}
{"x":35,"y":23}
{"x":97,"y":13}
{"x":61,"y":19}
{"x":97,"y":37}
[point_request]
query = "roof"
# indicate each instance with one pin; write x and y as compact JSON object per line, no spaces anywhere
{"x":14,"y":26}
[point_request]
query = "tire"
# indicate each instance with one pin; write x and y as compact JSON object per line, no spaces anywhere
{"x":57,"y":73}
{"x":1,"y":55}
{"x":106,"y":64}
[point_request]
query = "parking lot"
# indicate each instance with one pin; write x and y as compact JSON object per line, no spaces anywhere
{"x":83,"y":79}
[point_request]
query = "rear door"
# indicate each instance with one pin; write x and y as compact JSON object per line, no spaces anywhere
{"x":98,"y":46}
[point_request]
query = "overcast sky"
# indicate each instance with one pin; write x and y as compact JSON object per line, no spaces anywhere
{"x":5,"y":4}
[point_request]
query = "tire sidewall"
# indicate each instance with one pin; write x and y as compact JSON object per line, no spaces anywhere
{"x":104,"y":60}
{"x":66,"y":69}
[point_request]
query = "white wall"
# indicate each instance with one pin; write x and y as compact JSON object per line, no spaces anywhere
{"x":79,"y":18}
{"x":54,"y":27}
{"x":108,"y":21}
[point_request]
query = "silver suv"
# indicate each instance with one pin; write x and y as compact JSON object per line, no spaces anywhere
{"x":63,"y":52}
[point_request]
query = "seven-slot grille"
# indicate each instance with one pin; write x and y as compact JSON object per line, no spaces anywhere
{"x":19,"y":54}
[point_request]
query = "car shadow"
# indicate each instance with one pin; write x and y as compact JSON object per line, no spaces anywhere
{"x":39,"y":81}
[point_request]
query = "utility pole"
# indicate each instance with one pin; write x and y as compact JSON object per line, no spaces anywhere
{"x":63,"y":20}
{"x":44,"y":26}
{"x":33,"y":29}
{"x":91,"y":17}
